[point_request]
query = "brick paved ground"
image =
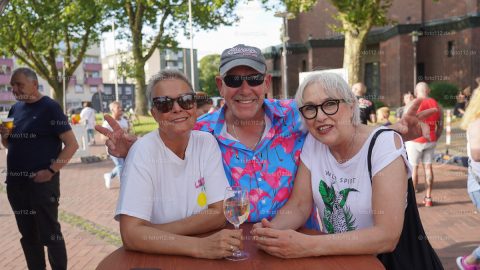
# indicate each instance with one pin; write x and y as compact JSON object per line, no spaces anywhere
{"x":451,"y":225}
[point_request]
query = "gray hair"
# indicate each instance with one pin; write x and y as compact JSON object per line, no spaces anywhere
{"x":30,"y":74}
{"x":168,"y":74}
{"x":335,"y":87}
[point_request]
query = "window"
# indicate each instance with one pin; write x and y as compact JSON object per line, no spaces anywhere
{"x":78,"y":89}
{"x":451,"y":49}
{"x":93,"y":89}
{"x":107,"y":90}
{"x":128,"y":90}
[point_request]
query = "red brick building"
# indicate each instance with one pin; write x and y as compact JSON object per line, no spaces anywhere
{"x":448,"y":50}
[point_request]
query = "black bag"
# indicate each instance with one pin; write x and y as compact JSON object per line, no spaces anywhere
{"x":413,"y":249}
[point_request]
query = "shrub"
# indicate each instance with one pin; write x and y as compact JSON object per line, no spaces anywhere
{"x":444,"y":93}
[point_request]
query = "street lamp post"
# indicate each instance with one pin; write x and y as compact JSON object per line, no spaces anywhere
{"x":192,"y":68}
{"x":415,"y":35}
{"x":115,"y":63}
{"x":285,"y":16}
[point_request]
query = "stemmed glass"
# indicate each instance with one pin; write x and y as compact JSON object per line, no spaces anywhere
{"x":236,"y":207}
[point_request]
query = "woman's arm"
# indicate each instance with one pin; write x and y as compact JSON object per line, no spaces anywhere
{"x":297,"y":210}
{"x":388,"y":208}
{"x":206,"y":221}
{"x":139,"y":235}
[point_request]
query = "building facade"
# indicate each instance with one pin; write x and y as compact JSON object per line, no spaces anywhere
{"x":448,"y":49}
{"x":86,"y":80}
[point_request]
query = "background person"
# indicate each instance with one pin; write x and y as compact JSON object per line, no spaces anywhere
{"x":204,"y":103}
{"x":117,"y":114}
{"x":422,"y":150}
{"x":407,"y":99}
{"x":87,"y":117}
{"x":383,"y":116}
{"x":173,"y":183}
{"x":367,"y":107}
{"x":35,"y":157}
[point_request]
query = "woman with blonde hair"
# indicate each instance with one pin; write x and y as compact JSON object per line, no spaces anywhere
{"x":471,"y":123}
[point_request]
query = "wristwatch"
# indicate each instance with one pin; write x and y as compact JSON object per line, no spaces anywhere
{"x":51,"y":170}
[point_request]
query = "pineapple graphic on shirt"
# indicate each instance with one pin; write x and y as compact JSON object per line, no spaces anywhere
{"x":337,"y":216}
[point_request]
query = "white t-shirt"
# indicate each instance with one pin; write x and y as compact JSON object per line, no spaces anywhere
{"x":122,"y":122}
{"x":87,"y":116}
{"x":342,"y":191}
{"x":159,"y":187}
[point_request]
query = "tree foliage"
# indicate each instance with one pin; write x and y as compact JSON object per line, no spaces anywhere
{"x":39,"y":33}
{"x":208,"y":70}
{"x":152,"y":24}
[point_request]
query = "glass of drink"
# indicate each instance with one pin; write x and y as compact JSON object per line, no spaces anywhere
{"x":236,"y":207}
{"x":8,"y":123}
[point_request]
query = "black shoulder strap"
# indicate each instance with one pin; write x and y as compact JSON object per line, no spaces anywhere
{"x":370,"y":149}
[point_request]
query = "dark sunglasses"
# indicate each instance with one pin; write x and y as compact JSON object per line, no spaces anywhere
{"x":236,"y":81}
{"x":164,"y":104}
{"x":329,"y":107}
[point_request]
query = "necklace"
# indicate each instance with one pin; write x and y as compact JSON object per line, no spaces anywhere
{"x":238,"y":138}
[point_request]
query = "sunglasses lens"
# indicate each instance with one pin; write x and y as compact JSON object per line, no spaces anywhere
{"x":163,"y":105}
{"x":255,"y":80}
{"x":186,"y":101}
{"x":236,"y":81}
{"x":233,"y":81}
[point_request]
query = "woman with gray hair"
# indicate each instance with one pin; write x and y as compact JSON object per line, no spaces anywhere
{"x":366,"y":214}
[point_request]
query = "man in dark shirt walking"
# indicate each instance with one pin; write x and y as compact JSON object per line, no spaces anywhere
{"x":35,"y":157}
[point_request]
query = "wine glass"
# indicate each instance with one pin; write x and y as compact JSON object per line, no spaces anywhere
{"x":236,"y":207}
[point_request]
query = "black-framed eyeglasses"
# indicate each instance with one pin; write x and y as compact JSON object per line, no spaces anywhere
{"x":329,"y":107}
{"x":164,"y":104}
{"x":236,"y":81}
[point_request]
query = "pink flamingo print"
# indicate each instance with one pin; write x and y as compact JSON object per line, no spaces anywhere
{"x":255,"y":196}
{"x":282,"y":195}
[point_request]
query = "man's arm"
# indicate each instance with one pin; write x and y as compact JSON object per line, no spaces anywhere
{"x":63,"y":158}
{"x":207,"y":220}
{"x":439,"y":126}
{"x":118,"y":142}
{"x":411,"y":125}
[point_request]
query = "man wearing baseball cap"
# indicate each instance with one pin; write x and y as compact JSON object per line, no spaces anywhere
{"x":260,"y":138}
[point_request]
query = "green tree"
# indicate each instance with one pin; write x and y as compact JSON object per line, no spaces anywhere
{"x":356,"y":17}
{"x":152,"y":24}
{"x":208,"y":70}
{"x":38,"y":33}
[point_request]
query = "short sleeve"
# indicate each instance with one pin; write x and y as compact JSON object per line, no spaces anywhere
{"x":57,"y":116}
{"x":308,"y":148}
{"x":136,"y":190}
{"x":385,"y":152}
{"x":215,"y":179}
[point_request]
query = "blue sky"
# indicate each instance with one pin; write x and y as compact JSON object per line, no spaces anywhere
{"x":256,"y":27}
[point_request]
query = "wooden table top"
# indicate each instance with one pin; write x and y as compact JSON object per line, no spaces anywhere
{"x":122,"y":259}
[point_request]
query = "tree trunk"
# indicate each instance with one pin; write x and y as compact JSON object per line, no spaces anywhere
{"x":352,"y":56}
{"x":57,"y":94}
{"x":141,"y":107}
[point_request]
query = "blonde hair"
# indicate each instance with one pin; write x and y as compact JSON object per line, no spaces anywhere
{"x":381,"y":111}
{"x":472,"y":112}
